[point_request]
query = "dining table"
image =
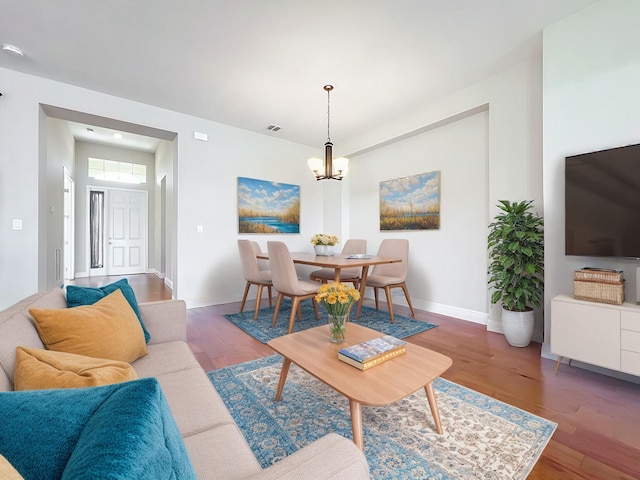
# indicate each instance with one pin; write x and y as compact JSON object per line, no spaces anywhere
{"x":337,"y":263}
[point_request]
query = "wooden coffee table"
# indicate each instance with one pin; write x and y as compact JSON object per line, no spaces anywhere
{"x":381,"y":385}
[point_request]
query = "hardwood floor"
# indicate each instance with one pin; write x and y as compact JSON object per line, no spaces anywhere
{"x":598,"y":434}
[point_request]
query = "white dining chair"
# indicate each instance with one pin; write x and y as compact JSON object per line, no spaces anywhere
{"x":286,"y":282}
{"x":252,"y":273}
{"x":351,"y":246}
{"x":391,"y":275}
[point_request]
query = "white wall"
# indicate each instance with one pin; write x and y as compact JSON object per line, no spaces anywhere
{"x":450,"y":260}
{"x":206,"y":266}
{"x":591,"y":99}
{"x":165,"y":167}
{"x":60,"y":154}
{"x":487,"y":141}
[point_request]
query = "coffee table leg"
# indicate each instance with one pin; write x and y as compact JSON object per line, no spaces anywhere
{"x":431,"y":396}
{"x":286,"y":363}
{"x":356,"y":423}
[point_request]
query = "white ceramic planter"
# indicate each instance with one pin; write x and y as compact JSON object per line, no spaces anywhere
{"x":321,"y":249}
{"x":518,"y":327}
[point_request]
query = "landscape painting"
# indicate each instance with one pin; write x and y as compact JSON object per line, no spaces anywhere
{"x":268,"y":207}
{"x":411,"y":203}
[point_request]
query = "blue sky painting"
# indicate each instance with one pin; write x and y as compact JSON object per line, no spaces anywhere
{"x":268,"y":207}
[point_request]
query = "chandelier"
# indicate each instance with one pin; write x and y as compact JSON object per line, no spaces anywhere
{"x":329,"y":169}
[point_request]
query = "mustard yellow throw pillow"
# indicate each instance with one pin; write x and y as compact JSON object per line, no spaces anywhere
{"x":38,"y":369}
{"x":107,"y":329}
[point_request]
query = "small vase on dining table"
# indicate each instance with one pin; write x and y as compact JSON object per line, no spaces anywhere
{"x":337,"y":328}
{"x":321,"y":250}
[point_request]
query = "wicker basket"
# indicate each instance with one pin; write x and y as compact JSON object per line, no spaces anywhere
{"x":613,"y":277}
{"x":599,"y":285}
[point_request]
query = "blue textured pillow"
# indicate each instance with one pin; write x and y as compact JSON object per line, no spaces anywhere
{"x":78,"y":296}
{"x":118,"y":431}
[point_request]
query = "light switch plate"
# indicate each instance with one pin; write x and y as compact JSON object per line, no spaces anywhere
{"x":17,"y":224}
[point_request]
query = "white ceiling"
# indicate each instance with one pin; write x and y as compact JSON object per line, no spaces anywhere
{"x":252,"y":63}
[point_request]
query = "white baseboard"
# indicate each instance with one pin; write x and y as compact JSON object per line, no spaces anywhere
{"x":455,"y":312}
{"x":155,"y":272}
{"x":81,"y":274}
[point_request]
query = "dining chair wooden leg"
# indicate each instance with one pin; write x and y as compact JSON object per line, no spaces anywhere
{"x":244,"y":297}
{"x":387,"y":291}
{"x":295,"y":304}
{"x":408,"y":297}
{"x":375,"y":296}
{"x":315,"y":308}
{"x":258,"y":298}
{"x":269,"y":291}
{"x":277,"y":310}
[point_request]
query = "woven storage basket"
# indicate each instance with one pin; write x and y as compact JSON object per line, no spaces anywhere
{"x":596,"y":275}
{"x":599,"y":292}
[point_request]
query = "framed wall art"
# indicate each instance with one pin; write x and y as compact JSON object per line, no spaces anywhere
{"x":411,"y":203}
{"x":268,"y":207}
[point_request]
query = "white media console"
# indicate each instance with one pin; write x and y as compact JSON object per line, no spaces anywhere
{"x":596,"y":333}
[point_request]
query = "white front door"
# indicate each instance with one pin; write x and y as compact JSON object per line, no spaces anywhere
{"x":127,"y":216}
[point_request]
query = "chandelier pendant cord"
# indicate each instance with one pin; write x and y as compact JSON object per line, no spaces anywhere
{"x":328,"y":88}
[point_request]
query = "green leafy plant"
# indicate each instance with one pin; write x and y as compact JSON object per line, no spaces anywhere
{"x":516,"y":256}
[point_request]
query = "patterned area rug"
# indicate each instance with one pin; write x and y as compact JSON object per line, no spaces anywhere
{"x":261,"y":330}
{"x":483,"y":438}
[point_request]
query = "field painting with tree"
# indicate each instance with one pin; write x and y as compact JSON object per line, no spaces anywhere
{"x":268,"y":207}
{"x":411,"y":203}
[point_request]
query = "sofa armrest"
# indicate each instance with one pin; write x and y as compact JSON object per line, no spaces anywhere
{"x":330,"y":457}
{"x":166,"y":320}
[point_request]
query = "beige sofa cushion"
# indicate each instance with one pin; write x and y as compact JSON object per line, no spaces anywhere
{"x":193,"y":417}
{"x":209,"y":453}
{"x":7,"y":472}
{"x":17,"y":329}
{"x":175,"y":356}
{"x":38,"y":369}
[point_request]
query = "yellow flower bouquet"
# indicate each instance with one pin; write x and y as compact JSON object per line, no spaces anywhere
{"x":337,"y":298}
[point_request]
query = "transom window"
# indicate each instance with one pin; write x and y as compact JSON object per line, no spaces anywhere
{"x":113,"y":171}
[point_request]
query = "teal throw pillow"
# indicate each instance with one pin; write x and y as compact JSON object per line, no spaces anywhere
{"x":78,"y":296}
{"x":120,"y":431}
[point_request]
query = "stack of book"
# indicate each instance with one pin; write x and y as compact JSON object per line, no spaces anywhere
{"x":372,"y":352}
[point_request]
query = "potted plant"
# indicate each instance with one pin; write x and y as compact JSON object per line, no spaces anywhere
{"x":516,"y":267}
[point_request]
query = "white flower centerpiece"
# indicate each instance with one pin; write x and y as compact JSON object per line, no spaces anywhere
{"x":321,"y":243}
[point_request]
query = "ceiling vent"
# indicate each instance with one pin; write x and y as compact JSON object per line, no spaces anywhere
{"x":274,"y":128}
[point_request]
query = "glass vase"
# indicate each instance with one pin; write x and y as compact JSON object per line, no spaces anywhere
{"x":337,"y":328}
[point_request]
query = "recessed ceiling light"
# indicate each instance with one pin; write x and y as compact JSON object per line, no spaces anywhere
{"x":7,"y":47}
{"x":90,"y":130}
{"x":117,"y":135}
{"x":274,"y":128}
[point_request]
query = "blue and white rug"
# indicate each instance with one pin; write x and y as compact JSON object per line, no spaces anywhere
{"x":379,"y":320}
{"x":483,"y":437}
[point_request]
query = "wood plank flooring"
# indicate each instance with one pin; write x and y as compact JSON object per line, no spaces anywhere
{"x":598,"y":434}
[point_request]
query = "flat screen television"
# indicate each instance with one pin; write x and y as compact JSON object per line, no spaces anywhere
{"x":602,"y":203}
